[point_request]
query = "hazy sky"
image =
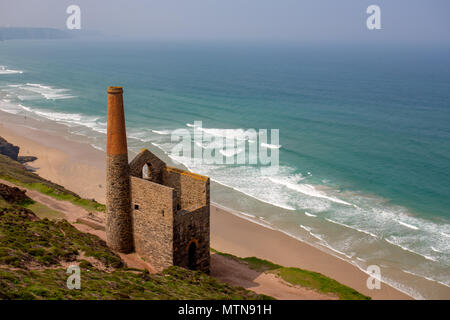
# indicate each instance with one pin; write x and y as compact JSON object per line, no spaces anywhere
{"x":420,"y":22}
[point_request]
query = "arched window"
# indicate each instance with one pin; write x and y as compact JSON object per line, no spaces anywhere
{"x":146,"y":172}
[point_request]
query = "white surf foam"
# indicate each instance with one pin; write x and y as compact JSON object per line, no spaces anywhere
{"x":310,"y":214}
{"x":305,"y":228}
{"x":5,"y":70}
{"x":162,"y":132}
{"x":395,"y":243}
{"x":410,"y":226}
{"x":353,"y":228}
{"x":49,"y":93}
{"x":230,"y":152}
{"x":308,"y":190}
{"x":271,"y":146}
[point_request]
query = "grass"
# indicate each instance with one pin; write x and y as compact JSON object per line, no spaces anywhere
{"x":47,"y":243}
{"x":56,"y":194}
{"x":300,"y":277}
{"x":173,"y":283}
{"x":32,"y":255}
{"x":42,"y":211}
{"x":16,"y":173}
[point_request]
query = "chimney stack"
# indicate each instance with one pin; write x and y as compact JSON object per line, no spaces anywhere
{"x":118,"y":193}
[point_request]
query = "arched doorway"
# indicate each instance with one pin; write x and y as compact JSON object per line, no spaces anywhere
{"x":192,"y":256}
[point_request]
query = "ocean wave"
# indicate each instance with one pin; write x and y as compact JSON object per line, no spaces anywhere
{"x":49,"y":93}
{"x":410,"y":226}
{"x":9,"y":107}
{"x":162,"y":132}
{"x":353,"y":228}
{"x":33,"y":91}
{"x":337,"y":251}
{"x":5,"y":70}
{"x":69,"y":119}
{"x":317,"y":236}
{"x":230,"y":153}
{"x":229,"y":134}
{"x":425,"y":277}
{"x":435,"y":250}
{"x":271,"y":146}
{"x":97,"y":147}
{"x":273,"y":203}
{"x":305,"y":228}
{"x":309,"y":214}
{"x":396,"y":243}
{"x":308,"y":190}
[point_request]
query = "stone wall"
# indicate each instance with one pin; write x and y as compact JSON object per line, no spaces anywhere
{"x":192,"y":227}
{"x":152,"y":217}
{"x":192,"y":189}
{"x":156,"y":166}
{"x":168,"y":217}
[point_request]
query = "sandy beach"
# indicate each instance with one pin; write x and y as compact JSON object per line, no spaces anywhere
{"x":80,"y":167}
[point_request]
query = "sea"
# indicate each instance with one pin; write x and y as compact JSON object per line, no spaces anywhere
{"x":363,"y":134}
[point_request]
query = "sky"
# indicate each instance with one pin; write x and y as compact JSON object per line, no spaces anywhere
{"x":419,"y":22}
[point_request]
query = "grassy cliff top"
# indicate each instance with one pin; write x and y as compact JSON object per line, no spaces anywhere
{"x":35,"y":253}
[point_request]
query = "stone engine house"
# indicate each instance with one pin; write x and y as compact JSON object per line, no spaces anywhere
{"x":160,"y":212}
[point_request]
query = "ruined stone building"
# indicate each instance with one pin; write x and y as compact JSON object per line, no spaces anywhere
{"x":157,"y":211}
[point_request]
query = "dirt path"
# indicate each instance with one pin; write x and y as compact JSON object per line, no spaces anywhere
{"x":225,"y":269}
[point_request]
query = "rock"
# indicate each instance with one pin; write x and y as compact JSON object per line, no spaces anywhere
{"x":13,"y":195}
{"x":24,"y":213}
{"x":8,"y":149}
{"x":25,"y":159}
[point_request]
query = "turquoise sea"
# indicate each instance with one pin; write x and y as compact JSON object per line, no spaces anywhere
{"x":364,"y":143}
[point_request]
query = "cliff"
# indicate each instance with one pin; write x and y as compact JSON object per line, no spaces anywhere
{"x":8,"y":149}
{"x":35,"y":253}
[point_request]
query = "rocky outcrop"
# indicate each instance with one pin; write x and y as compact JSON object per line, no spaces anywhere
{"x":13,"y":195}
{"x":12,"y":151}
{"x":21,"y":212}
{"x":8,"y":149}
{"x":16,"y":198}
{"x":25,"y":159}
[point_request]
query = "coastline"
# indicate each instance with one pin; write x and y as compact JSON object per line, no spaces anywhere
{"x":80,"y":167}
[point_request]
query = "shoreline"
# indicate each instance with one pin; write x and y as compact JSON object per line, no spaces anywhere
{"x":80,"y":167}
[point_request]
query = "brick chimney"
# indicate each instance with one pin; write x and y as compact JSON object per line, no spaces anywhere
{"x":118,"y":194}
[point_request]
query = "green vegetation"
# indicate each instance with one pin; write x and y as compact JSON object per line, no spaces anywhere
{"x":47,"y":243}
{"x":42,"y":211}
{"x":17,"y":173}
{"x":34,"y":255}
{"x":300,"y":277}
{"x":173,"y":283}
{"x":57,"y":194}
